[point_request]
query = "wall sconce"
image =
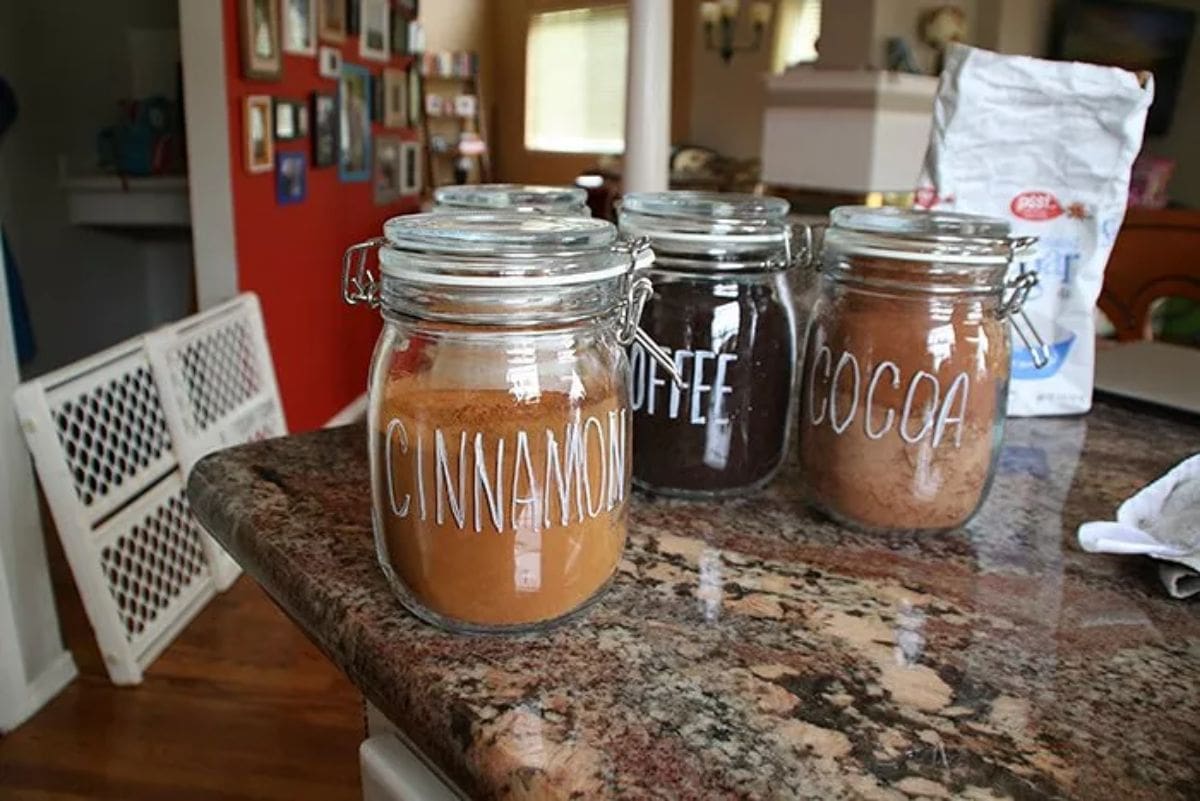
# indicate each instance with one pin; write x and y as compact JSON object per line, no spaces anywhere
{"x":720,"y":21}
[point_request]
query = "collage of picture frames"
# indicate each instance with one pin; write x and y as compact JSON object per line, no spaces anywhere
{"x":335,"y":125}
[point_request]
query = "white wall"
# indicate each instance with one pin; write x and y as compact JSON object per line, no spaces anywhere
{"x":728,"y":99}
{"x":34,"y":665}
{"x":68,"y":65}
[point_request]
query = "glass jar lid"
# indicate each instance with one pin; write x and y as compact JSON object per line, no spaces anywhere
{"x":922,"y":236}
{"x":505,"y":270}
{"x":513,"y":197}
{"x":479,"y":249}
{"x":710,"y":230}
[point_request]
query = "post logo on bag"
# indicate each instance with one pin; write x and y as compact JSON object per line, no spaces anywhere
{"x":1036,"y":205}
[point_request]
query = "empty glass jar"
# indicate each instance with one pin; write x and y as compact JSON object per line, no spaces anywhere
{"x":722,"y":308}
{"x":564,"y":200}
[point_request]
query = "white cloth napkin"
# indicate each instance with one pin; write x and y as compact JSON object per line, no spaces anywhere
{"x":1161,"y":521}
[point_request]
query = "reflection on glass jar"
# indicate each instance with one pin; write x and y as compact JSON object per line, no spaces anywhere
{"x":722,"y":307}
{"x":498,"y":425}
{"x":906,"y":368}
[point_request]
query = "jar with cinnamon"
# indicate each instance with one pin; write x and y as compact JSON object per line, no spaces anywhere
{"x":564,"y":200}
{"x":498,"y":417}
{"x":722,"y":307}
{"x":906,"y":369}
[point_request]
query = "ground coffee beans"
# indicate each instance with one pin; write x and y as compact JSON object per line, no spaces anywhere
{"x":732,"y":338}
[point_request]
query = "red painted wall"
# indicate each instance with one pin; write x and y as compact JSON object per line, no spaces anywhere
{"x":291,"y":255}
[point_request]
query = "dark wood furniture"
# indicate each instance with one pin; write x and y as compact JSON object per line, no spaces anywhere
{"x":1157,"y":255}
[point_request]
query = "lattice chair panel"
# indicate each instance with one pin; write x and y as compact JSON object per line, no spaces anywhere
{"x":218,"y":384}
{"x":153,"y":559}
{"x":111,"y":429}
{"x":98,"y":434}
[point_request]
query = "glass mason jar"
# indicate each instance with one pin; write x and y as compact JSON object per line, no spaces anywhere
{"x":564,"y":200}
{"x":905,"y":378}
{"x":498,"y":416}
{"x":722,"y":307}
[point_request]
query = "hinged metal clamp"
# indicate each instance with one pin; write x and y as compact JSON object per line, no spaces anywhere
{"x":637,"y":292}
{"x":805,"y":252}
{"x":1021,"y":245}
{"x":1019,"y":288}
{"x":359,"y":284}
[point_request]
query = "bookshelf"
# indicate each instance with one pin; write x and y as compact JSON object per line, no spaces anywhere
{"x":453,"y":122}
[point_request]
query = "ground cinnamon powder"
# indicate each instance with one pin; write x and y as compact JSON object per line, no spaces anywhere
{"x":502,"y":509}
{"x":901,"y":406}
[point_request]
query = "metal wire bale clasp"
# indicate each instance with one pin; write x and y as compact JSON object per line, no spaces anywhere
{"x":1018,"y":289}
{"x":803,"y":244}
{"x":637,"y":292}
{"x":359,"y":284}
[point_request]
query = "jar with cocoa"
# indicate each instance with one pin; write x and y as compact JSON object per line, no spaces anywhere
{"x":906,"y":369}
{"x":565,"y":200}
{"x":722,"y":307}
{"x":498,"y":412}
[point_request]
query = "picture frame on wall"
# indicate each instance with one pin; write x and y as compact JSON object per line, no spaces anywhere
{"x":395,"y":98}
{"x":259,"y":22}
{"x":375,"y":21}
{"x":416,"y":37}
{"x":329,"y":63}
{"x":376,"y":98}
{"x":399,"y":35}
{"x":258,"y":131}
{"x":286,"y":124}
{"x":291,"y":178}
{"x":415,"y":102}
{"x":354,"y":123}
{"x":435,"y":105}
{"x":410,"y":168}
{"x":388,"y":163}
{"x":301,"y":111}
{"x":324,"y":123}
{"x":466,"y":105}
{"x":353,"y":17}
{"x":331,"y":21}
{"x":299,"y":27}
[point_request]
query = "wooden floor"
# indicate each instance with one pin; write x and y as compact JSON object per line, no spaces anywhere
{"x":240,"y":706}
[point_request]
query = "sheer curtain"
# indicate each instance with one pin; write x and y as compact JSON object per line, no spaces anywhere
{"x":575,"y":80}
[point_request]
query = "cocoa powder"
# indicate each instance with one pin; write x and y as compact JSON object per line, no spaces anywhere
{"x":902,"y":406}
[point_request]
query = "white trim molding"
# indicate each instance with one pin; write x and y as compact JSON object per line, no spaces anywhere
{"x":352,"y":413}
{"x":34,"y":665}
{"x":206,"y":119}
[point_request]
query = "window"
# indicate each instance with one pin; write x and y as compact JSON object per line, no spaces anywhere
{"x":798,"y":29}
{"x":575,"y":64}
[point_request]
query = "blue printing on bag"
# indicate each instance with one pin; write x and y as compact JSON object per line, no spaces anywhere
{"x":1022,"y":359}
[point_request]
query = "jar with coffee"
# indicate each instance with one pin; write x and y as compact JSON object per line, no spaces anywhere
{"x":564,"y":200}
{"x":906,"y":367}
{"x":498,"y":420}
{"x":722,"y":307}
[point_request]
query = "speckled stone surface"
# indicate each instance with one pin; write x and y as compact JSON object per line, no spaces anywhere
{"x":747,"y":649}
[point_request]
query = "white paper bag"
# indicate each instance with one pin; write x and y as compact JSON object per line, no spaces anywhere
{"x":1048,"y":146}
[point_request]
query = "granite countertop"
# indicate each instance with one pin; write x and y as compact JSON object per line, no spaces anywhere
{"x":747,"y":649}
